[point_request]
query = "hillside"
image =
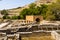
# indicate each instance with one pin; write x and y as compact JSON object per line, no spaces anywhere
{"x":38,"y":2}
{"x":16,"y":11}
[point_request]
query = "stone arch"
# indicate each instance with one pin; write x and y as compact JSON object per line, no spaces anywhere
{"x":37,"y":20}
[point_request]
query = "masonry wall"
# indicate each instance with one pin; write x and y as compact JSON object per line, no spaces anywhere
{"x":33,"y":17}
{"x":29,"y":18}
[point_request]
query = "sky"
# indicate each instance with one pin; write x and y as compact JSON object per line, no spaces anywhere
{"x":9,"y":4}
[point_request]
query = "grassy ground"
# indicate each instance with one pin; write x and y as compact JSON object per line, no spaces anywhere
{"x":37,"y":36}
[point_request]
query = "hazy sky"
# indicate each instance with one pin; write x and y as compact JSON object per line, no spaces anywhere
{"x":7,"y":4}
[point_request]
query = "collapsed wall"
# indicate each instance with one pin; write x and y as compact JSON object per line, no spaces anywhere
{"x":55,"y":35}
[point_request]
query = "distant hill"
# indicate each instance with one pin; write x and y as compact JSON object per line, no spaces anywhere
{"x":38,"y":2}
{"x":15,"y":11}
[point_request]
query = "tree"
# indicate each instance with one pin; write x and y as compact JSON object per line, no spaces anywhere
{"x":34,"y":10}
{"x":43,"y":10}
{"x":4,"y":12}
{"x":23,"y":13}
{"x":15,"y":17}
{"x":6,"y":17}
{"x":50,"y":15}
{"x":55,"y":9}
{"x":18,"y":17}
{"x":32,"y":5}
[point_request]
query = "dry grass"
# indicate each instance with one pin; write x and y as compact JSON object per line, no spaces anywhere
{"x":38,"y":38}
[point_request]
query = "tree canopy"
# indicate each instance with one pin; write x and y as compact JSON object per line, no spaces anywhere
{"x":55,"y":9}
{"x":4,"y":12}
{"x":34,"y":10}
{"x":49,"y":12}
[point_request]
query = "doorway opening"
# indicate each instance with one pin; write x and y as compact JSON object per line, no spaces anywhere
{"x":37,"y":20}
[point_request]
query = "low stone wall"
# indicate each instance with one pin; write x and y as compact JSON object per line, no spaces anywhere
{"x":3,"y":36}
